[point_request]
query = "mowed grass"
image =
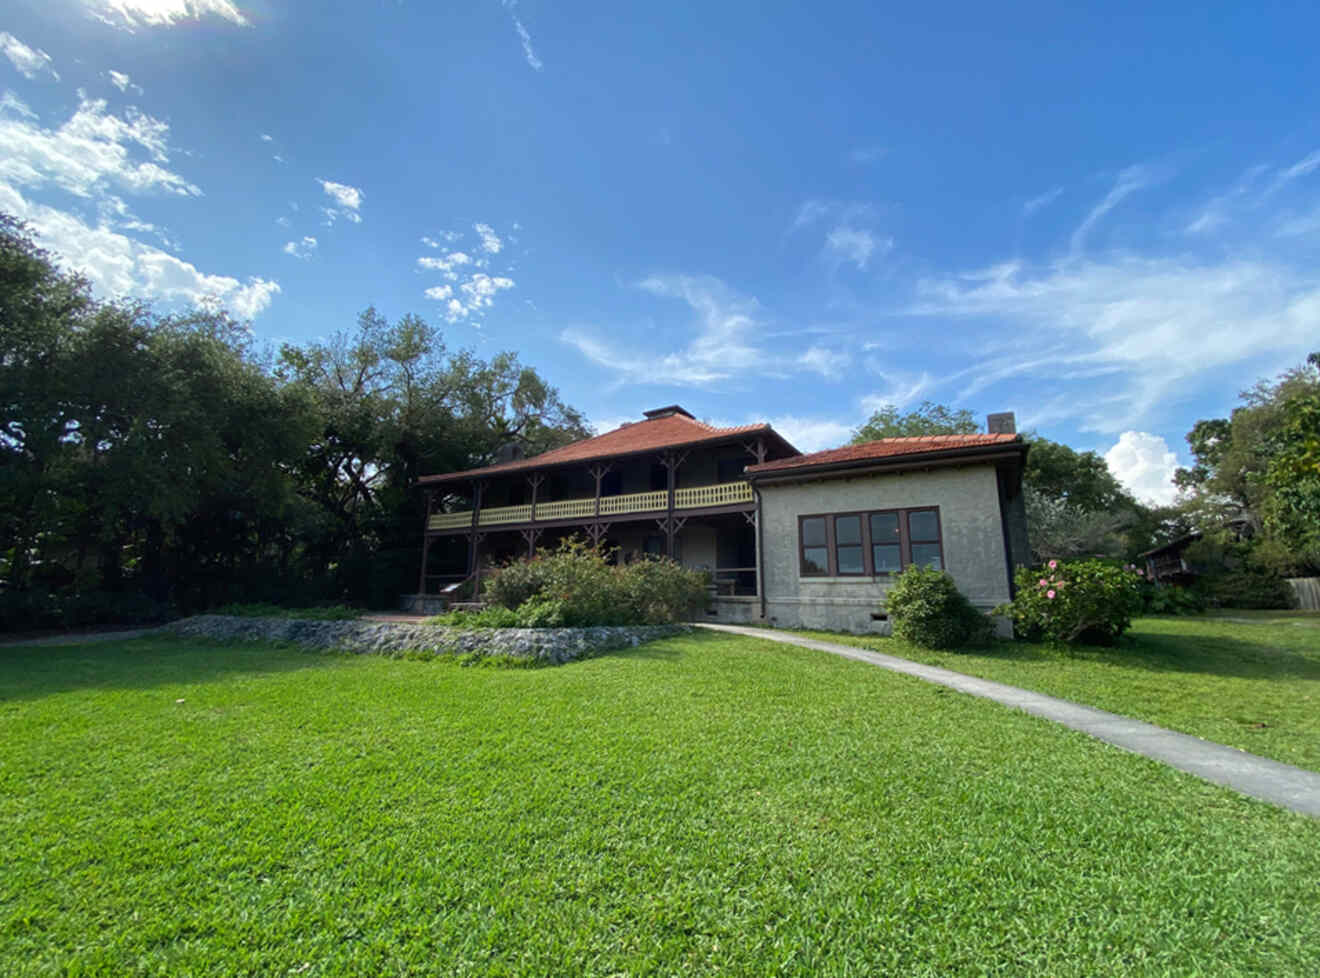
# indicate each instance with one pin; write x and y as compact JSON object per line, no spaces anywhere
{"x":1248,"y":679}
{"x":704,"y":805}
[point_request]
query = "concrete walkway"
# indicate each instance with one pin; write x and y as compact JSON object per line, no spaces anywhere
{"x":1280,"y":784}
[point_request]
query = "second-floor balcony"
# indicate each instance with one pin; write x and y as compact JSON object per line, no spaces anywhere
{"x":698,"y":497}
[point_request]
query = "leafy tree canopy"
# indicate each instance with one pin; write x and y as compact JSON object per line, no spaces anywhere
{"x":928,"y":419}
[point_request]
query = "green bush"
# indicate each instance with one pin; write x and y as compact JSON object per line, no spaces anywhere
{"x":1248,"y":588}
{"x":334,"y":612}
{"x":585,"y":589}
{"x":541,"y":613}
{"x":1171,"y":599}
{"x":1084,"y":601}
{"x":40,"y":609}
{"x":926,"y":608}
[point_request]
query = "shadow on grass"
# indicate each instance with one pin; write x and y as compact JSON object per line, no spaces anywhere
{"x":1217,"y":655}
{"x":34,"y":672}
{"x":663,"y":648}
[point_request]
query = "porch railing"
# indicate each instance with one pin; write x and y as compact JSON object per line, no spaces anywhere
{"x":720,"y":494}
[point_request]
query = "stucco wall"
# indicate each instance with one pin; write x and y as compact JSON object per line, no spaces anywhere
{"x":968,"y":501}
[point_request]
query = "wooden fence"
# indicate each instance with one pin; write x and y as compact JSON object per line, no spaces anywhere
{"x":1307,"y":590}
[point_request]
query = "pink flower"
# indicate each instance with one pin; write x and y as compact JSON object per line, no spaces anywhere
{"x":1053,"y":564}
{"x":1043,"y":582}
{"x":1140,"y":573}
{"x":1049,"y":593}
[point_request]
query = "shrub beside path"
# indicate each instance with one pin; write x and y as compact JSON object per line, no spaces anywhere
{"x":1258,"y":777}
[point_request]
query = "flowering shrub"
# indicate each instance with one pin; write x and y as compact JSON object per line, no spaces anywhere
{"x":575,"y":586}
{"x":927,"y":609}
{"x":1086,"y":601}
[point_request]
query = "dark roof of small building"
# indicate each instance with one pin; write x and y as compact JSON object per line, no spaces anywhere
{"x":1173,"y":545}
{"x":886,"y":450}
{"x":671,"y":427}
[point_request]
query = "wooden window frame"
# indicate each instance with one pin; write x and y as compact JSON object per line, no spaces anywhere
{"x":868,"y":557}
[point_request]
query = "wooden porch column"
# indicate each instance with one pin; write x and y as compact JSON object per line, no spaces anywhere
{"x":671,"y":461}
{"x":598,"y":472}
{"x":478,"y":490}
{"x":534,"y":480}
{"x":426,"y":543}
{"x":756,"y":449}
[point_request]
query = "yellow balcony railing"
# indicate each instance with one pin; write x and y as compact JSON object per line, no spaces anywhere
{"x":450,"y":521}
{"x":506,"y":514}
{"x":721,"y":494}
{"x":634,"y":502}
{"x":566,"y":509}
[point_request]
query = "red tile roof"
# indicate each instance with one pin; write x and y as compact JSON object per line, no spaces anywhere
{"x":653,"y":434}
{"x":885,"y":448}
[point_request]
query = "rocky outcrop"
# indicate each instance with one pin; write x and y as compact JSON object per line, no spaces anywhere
{"x":524,"y":645}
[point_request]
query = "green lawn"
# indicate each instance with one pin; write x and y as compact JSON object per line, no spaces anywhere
{"x":700,"y":805}
{"x":1247,"y":679}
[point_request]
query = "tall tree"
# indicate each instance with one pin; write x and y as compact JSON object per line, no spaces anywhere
{"x":928,"y":418}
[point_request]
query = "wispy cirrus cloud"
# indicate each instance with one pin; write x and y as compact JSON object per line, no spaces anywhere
{"x":1129,"y":181}
{"x":1128,"y":328}
{"x":1041,"y":201}
{"x":31,"y":63}
{"x":534,"y":62}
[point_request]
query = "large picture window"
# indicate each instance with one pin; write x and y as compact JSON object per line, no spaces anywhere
{"x":869,"y":544}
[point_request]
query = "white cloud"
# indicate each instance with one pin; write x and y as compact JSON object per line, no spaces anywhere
{"x":1144,"y":465}
{"x":480,"y":290}
{"x":440,"y":292}
{"x":11,"y":104}
{"x":812,"y":434}
{"x":490,"y":241}
{"x":867,"y":154}
{"x":1153,"y":322}
{"x":278,"y":158}
{"x":854,"y":245}
{"x":1129,"y":181}
{"x":830,"y":364}
{"x":267,"y":137}
{"x":162,"y":13}
{"x":122,"y":81}
{"x":448,"y":237}
{"x":301,"y":249}
{"x":900,"y":389}
{"x":1043,"y":200}
{"x":448,"y":264}
{"x":118,"y":265}
{"x":512,"y":7}
{"x":29,"y":62}
{"x":726,"y":345}
{"x":91,"y":151}
{"x":348,"y":200}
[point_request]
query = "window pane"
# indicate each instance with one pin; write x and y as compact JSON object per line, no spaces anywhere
{"x":850,"y":560}
{"x":848,"y":529}
{"x":885,"y":558}
{"x":927,"y":555}
{"x":923,"y":526}
{"x":815,"y":560}
{"x":884,"y":528}
{"x":813,"y":532}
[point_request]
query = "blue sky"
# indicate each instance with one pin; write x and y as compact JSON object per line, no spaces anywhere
{"x":1104,"y":218}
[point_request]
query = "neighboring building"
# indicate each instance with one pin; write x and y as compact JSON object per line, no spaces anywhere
{"x":1169,"y":565}
{"x":790,"y":539}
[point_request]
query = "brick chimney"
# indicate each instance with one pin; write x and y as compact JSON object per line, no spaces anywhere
{"x":1003,"y":423}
